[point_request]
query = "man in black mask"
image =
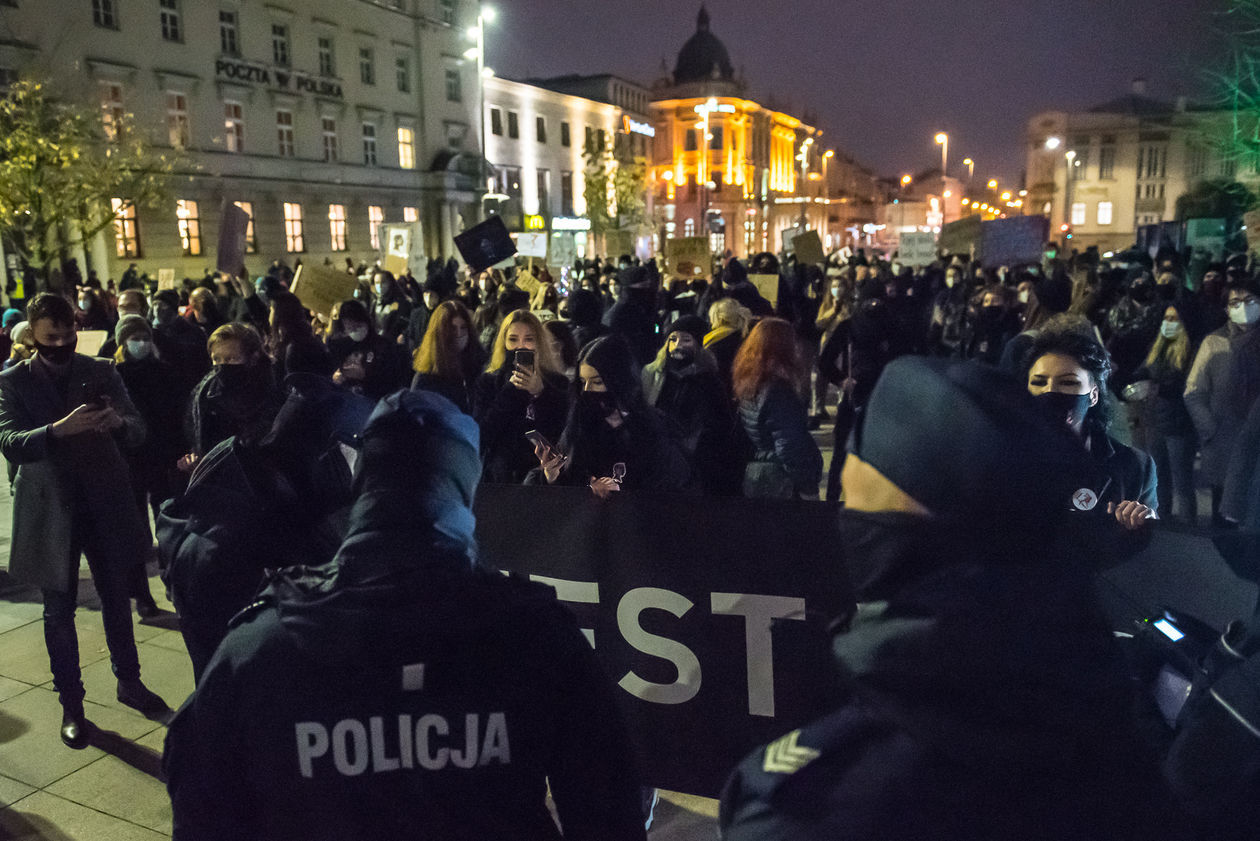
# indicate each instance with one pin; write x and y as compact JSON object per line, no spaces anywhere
{"x":63,"y":418}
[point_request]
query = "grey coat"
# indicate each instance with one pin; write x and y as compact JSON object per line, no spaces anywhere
{"x":55,"y":475}
{"x":1208,"y":399}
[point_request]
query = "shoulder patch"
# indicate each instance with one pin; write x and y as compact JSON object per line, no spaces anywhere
{"x":785,"y":756}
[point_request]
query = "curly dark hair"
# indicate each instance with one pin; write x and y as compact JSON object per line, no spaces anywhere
{"x":1074,"y":336}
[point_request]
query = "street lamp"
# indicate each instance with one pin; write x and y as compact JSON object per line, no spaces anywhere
{"x":992,"y":183}
{"x":905,"y":180}
{"x":1067,"y":186}
{"x":942,"y":140}
{"x":1053,"y":143}
{"x":971,"y":168}
{"x":487,"y":14}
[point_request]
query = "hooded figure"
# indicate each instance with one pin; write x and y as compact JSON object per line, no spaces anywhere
{"x":479,"y":691}
{"x":981,"y":694}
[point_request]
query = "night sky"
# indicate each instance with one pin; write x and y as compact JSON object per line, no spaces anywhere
{"x":884,"y":77}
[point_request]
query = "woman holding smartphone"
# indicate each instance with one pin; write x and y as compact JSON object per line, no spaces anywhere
{"x":520,"y":391}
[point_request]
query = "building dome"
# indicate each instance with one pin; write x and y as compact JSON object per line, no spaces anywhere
{"x":703,"y":57}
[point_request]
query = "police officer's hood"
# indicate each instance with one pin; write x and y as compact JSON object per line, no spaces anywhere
{"x":415,"y":480}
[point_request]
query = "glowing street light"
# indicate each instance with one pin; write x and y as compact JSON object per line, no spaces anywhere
{"x":1053,"y":143}
{"x":942,"y":140}
{"x":971,"y":167}
{"x":905,"y":180}
{"x":992,"y":183}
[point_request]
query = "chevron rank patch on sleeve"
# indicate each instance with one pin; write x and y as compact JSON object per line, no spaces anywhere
{"x":785,"y":756}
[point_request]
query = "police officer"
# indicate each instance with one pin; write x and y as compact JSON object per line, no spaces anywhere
{"x":983,"y":695}
{"x":403,"y":691}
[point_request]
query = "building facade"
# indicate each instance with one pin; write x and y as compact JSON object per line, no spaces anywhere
{"x":321,"y":118}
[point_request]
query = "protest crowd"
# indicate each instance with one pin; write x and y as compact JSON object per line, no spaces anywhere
{"x":1000,"y":434}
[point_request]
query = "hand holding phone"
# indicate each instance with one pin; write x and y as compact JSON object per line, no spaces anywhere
{"x":525,"y":374}
{"x":549,"y":458}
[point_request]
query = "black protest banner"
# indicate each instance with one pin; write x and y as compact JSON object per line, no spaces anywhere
{"x":679,"y":595}
{"x":1009,"y":242}
{"x":485,"y":244}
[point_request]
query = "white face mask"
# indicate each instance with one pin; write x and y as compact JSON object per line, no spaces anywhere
{"x":1023,"y":297}
{"x":357,"y":335}
{"x":950,"y":280}
{"x":1170,"y":329}
{"x":139,"y":348}
{"x":1245,"y":314}
{"x":835,"y":292}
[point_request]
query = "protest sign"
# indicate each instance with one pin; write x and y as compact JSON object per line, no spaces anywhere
{"x":961,"y":237}
{"x":1010,"y":242}
{"x":485,"y":244}
{"x":1252,"y":220}
{"x":232,"y":230}
{"x":320,"y":288}
{"x":563,"y":250}
{"x":767,"y":285}
{"x":397,"y":247}
{"x":688,"y":257}
{"x":89,"y":342}
{"x":532,"y":244}
{"x":808,"y":248}
{"x":917,"y":249}
{"x":166,"y":279}
{"x":789,"y":237}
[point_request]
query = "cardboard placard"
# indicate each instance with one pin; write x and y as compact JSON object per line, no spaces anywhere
{"x":485,"y":244}
{"x":789,"y":236}
{"x":1252,"y":220}
{"x":89,"y":341}
{"x":563,"y":250}
{"x":688,"y":257}
{"x":397,"y":247}
{"x":767,"y":285}
{"x":166,"y":279}
{"x":531,"y":244}
{"x":1010,"y":242}
{"x":321,"y":289}
{"x":232,"y":230}
{"x":917,"y":249}
{"x":808,"y":248}
{"x":961,"y":237}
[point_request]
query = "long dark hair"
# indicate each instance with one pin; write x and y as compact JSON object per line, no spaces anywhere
{"x":612,"y":358}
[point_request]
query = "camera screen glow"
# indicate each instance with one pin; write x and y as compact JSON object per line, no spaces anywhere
{"x":1168,"y":629}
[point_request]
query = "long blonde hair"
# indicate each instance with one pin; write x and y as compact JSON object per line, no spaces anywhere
{"x":1173,"y":352}
{"x":542,"y":348}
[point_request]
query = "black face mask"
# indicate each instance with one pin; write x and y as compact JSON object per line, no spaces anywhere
{"x":1065,"y":408}
{"x":57,"y":354}
{"x":1140,"y":292}
{"x":598,"y":404}
{"x":680,"y":358}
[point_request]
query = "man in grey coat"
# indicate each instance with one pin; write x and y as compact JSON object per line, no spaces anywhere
{"x":63,"y":417}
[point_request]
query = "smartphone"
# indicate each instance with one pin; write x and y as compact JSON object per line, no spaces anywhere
{"x":524,"y":358}
{"x":539,"y":440}
{"x":94,"y":397}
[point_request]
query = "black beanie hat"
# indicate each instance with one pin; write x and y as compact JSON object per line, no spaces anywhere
{"x":692,"y":324}
{"x":971,"y":444}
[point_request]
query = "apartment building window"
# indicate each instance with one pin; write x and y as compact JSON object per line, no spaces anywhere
{"x":1080,"y":163}
{"x":1104,"y":212}
{"x":126,"y":232}
{"x":689,"y":227}
{"x":566,"y":193}
{"x":690,"y":141}
{"x":367,"y":66}
{"x":105,"y":13}
{"x":1196,"y":161}
{"x":590,"y":138}
{"x":406,"y":147}
{"x":1078,"y":213}
{"x":514,"y":125}
{"x":189,"y":220}
{"x":1151,"y":162}
{"x":337,"y":226}
{"x":1107,"y":163}
{"x":293,"y":242}
{"x":251,"y":244}
{"x":410,"y":214}
{"x":234,"y":126}
{"x":715,"y":137}
{"x":566,"y":138}
{"x":446,"y":11}
{"x":280,"y":44}
{"x":168,"y":12}
{"x":509,"y":181}
{"x":369,"y":144}
{"x":111,"y":109}
{"x":327,"y":62}
{"x":540,"y":129}
{"x":376,"y":218}
{"x":177,"y":119}
{"x":454,"y":92}
{"x":496,"y":122}
{"x":228,"y":43}
{"x":284,"y":133}
{"x":544,"y":191}
{"x":331,"y":149}
{"x":402,"y":68}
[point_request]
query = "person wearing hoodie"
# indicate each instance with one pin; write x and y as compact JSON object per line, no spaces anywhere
{"x":633,"y":317}
{"x":979,"y":691}
{"x":405,"y":689}
{"x":584,"y":313}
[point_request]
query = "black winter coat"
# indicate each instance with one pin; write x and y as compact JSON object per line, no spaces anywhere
{"x":777,"y":425}
{"x":505,"y":413}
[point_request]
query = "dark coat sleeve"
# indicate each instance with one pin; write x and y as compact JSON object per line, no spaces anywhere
{"x":22,"y":438}
{"x":784,"y":417}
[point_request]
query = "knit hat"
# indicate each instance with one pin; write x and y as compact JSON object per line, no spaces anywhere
{"x":984,"y":452}
{"x":696,"y":326}
{"x":129,"y":324}
{"x":11,"y":317}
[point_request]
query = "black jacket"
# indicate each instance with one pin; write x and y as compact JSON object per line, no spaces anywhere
{"x":505,"y":413}
{"x":697,"y":401}
{"x":777,"y":426}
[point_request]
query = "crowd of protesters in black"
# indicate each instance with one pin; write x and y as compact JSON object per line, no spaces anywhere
{"x":619,"y":377}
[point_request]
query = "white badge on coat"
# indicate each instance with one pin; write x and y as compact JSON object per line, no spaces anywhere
{"x":1085,"y":500}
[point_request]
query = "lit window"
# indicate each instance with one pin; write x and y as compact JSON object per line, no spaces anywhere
{"x":403,"y":68}
{"x":234,"y":126}
{"x":189,"y":227}
{"x":326,"y":65}
{"x":126,"y":234}
{"x":111,"y":109}
{"x":177,"y":119}
{"x":367,"y":66}
{"x":369,"y":144}
{"x":251,"y":244}
{"x":1078,"y":213}
{"x":406,"y":148}
{"x":376,"y":218}
{"x":337,"y":226}
{"x":105,"y":13}
{"x":228,"y":44}
{"x":454,"y":92}
{"x":280,"y":44}
{"x":284,"y":133}
{"x":293,"y":228}
{"x":169,"y":12}
{"x":410,"y":214}
{"x":689,"y":228}
{"x":330,"y":139}
{"x":1104,"y":213}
